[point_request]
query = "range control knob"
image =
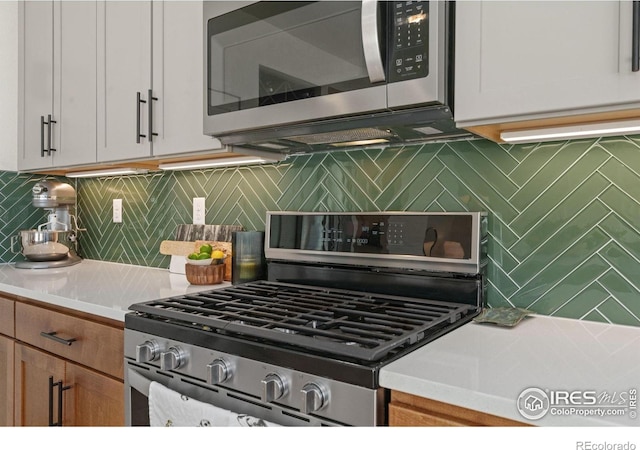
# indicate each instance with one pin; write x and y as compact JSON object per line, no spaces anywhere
{"x":147,"y":351}
{"x":273,"y":388}
{"x":314,"y":397}
{"x":173,"y":358}
{"x":218,"y":371}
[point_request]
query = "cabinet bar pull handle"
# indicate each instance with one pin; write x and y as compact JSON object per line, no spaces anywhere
{"x":51,"y":384}
{"x":138,"y":102}
{"x":150,"y":105}
{"x":635,"y":38}
{"x":49,"y":123}
{"x":42,"y":149}
{"x":61,"y":389}
{"x":53,"y":336}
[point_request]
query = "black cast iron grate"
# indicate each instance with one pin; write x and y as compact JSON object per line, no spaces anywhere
{"x":353,"y":324}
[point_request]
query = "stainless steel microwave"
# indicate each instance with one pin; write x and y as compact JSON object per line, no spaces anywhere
{"x":281,"y":75}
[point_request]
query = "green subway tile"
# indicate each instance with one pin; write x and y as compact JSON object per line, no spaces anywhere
{"x":536,"y":232}
{"x":550,"y":264}
{"x":403,"y":188}
{"x":551,"y":241}
{"x":620,"y":289}
{"x":468,"y":187}
{"x":499,"y":278}
{"x":476,"y":172}
{"x":476,"y":163}
{"x":505,"y":158}
{"x":569,"y":157}
{"x":620,"y":203}
{"x":448,"y":202}
{"x":500,"y":232}
{"x":624,"y":178}
{"x":617,"y":313}
{"x":580,"y":305}
{"x":625,"y":150}
{"x":532,"y":158}
{"x":535,"y":200}
{"x":623,"y":233}
{"x":495,"y":298}
{"x":623,"y":262}
{"x":577,"y":286}
{"x":501,"y":256}
{"x":595,"y":316}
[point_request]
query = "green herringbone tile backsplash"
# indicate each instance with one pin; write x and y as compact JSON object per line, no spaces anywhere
{"x":564,"y":218}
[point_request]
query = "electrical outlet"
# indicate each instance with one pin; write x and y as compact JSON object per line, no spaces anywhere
{"x":117,"y":210}
{"x":198,"y":210}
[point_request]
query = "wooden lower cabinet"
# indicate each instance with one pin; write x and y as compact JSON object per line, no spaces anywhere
{"x":412,"y":411}
{"x":6,"y":381}
{"x":59,"y":366}
{"x":44,"y":382}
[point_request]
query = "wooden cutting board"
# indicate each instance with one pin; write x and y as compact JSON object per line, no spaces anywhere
{"x":177,"y":248}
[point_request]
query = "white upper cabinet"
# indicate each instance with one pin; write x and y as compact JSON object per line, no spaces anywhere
{"x":178,"y":78}
{"x":9,"y":86}
{"x":57,"y":84}
{"x":124,"y":79}
{"x":518,"y":61}
{"x":150,"y":80}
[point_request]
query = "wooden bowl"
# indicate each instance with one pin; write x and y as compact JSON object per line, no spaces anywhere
{"x":211,"y":274}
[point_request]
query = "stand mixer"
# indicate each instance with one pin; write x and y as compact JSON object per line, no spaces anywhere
{"x":53,"y":243}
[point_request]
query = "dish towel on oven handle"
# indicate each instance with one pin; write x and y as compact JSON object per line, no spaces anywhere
{"x":168,"y":408}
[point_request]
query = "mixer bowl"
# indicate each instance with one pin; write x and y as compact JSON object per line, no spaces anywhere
{"x":45,"y":245}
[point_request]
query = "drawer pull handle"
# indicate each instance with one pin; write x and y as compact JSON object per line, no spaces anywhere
{"x":53,"y":336}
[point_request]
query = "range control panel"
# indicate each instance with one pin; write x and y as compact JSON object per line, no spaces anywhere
{"x":436,"y":235}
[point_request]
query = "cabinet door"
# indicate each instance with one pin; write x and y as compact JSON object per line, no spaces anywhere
{"x":529,"y":59}
{"x":178,"y":78}
{"x":98,"y":399}
{"x":6,"y":381}
{"x":75,"y":83}
{"x":34,"y":396}
{"x":35,"y":78}
{"x":124,"y":71}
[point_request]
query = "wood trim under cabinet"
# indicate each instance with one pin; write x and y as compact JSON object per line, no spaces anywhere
{"x":492,"y":131}
{"x":410,"y":410}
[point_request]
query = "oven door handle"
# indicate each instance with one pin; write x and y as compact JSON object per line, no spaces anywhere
{"x":138,"y":382}
{"x":371,"y":41}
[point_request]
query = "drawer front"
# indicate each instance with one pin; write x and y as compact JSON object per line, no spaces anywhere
{"x":98,"y":346}
{"x":6,"y":317}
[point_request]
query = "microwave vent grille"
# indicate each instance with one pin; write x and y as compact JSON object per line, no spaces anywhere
{"x":342,"y":136}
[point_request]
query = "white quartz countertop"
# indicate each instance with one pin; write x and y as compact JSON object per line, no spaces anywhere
{"x":584,"y":368}
{"x":101,"y":288}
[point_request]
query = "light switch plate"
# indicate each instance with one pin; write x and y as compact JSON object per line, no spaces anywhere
{"x":198,"y":210}
{"x":117,"y":210}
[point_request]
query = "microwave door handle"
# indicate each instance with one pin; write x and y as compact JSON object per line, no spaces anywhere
{"x":370,"y":41}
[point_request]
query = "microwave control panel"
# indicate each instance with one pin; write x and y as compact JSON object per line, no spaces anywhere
{"x":408,"y":40}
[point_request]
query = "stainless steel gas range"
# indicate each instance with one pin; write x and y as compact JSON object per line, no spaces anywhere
{"x":345,"y":294}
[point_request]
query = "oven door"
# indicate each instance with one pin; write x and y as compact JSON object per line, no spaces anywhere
{"x":326,"y":58}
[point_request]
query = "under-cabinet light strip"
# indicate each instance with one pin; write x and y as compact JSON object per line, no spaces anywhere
{"x":219,"y":162}
{"x":105,"y":172}
{"x":572,"y":131}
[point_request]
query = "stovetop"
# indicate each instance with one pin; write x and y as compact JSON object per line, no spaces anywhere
{"x":354,"y":325}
